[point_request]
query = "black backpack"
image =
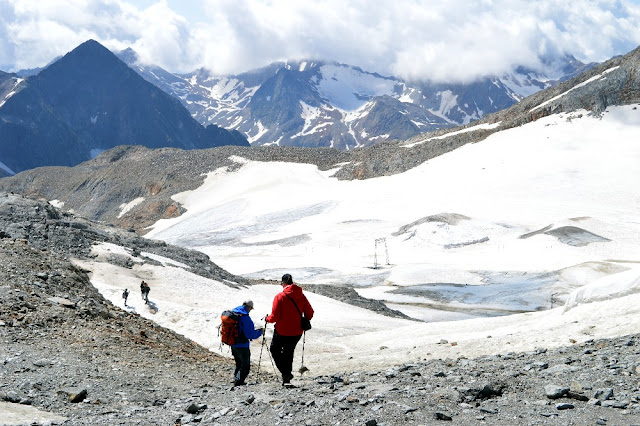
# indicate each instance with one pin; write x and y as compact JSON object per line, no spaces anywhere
{"x":305,"y":323}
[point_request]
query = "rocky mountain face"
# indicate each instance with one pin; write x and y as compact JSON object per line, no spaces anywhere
{"x":327,"y":104}
{"x":79,"y":359}
{"x":7,"y":84}
{"x":100,"y":189}
{"x":89,"y":101}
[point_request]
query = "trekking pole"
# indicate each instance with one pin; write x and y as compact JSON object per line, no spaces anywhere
{"x":264,"y":338}
{"x":272,"y":363}
{"x":302,"y":367}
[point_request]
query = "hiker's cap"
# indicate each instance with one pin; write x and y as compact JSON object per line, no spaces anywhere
{"x":248,"y":303}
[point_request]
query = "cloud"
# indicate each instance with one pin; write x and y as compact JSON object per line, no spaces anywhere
{"x":421,"y":39}
{"x":416,"y":39}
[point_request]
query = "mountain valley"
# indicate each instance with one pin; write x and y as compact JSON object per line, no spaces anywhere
{"x":489,"y":272}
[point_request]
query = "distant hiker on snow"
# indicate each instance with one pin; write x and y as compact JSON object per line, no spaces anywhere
{"x":144,"y":289}
{"x":290,"y":309}
{"x":125,"y":295}
{"x":240,"y":349}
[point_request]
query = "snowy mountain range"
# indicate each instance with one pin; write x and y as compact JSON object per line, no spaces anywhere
{"x":328,"y":104}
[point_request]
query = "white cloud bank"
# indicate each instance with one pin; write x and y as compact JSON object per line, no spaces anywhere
{"x":407,"y":38}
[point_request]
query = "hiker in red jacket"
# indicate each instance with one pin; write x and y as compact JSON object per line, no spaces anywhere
{"x":288,"y":308}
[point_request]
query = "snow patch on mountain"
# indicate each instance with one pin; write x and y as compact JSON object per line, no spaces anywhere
{"x":349,"y":89}
{"x":408,"y":95}
{"x":5,"y":168}
{"x":309,"y":114}
{"x":484,"y":126}
{"x":606,"y":288}
{"x":577,"y":86}
{"x":57,"y":203}
{"x":259,"y":133}
{"x":448,"y":101}
{"x":520,"y":86}
{"x":16,"y":83}
{"x":224,"y":89}
{"x":126,"y":207}
{"x":165,"y":261}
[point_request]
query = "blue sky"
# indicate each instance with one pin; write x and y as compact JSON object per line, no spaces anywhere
{"x":190,"y":9}
{"x":452,"y":40}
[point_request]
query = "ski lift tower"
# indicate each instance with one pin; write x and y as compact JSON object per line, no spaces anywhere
{"x":380,"y":242}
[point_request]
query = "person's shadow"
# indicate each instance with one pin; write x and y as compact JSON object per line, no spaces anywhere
{"x":152,"y":307}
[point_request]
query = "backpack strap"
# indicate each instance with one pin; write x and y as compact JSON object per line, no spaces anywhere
{"x":240,"y":332}
{"x":294,"y":304}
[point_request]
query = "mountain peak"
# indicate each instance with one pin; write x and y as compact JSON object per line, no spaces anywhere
{"x":90,"y":101}
{"x":91,"y":48}
{"x":128,"y":55}
{"x":90,"y":42}
{"x":88,"y":58}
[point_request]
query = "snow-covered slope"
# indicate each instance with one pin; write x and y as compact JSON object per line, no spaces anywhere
{"x":539,"y":222}
{"x":514,"y":211}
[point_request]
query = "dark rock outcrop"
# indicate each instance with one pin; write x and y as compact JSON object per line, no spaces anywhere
{"x":90,"y":101}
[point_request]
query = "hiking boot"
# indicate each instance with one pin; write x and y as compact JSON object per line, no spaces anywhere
{"x":287,"y":379}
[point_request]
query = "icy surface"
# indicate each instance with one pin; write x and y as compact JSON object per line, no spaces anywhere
{"x":489,"y":240}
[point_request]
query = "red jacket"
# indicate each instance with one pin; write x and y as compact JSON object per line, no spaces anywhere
{"x":284,"y":313}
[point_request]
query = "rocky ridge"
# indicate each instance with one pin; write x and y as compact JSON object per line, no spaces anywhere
{"x":67,"y":350}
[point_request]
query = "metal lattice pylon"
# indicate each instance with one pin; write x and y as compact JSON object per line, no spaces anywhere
{"x":380,"y":241}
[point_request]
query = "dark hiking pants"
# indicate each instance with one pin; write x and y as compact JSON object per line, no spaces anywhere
{"x":282,"y":348}
{"x":242,"y":356}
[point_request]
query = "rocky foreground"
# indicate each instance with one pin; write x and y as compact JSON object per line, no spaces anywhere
{"x":67,"y":351}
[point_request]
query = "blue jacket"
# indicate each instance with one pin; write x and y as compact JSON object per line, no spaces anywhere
{"x":247,"y":328}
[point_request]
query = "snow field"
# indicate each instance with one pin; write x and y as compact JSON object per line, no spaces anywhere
{"x":531,"y":218}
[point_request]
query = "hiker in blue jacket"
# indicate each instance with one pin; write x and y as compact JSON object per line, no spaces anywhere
{"x":240,"y":350}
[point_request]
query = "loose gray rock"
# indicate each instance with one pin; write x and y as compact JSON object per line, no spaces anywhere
{"x":62,"y":302}
{"x":565,"y":406}
{"x":555,"y":391}
{"x":196,"y":408}
{"x":11,"y":396}
{"x":603,"y":394}
{"x":42,"y":363}
{"x":442,"y":416}
{"x":74,"y":395}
